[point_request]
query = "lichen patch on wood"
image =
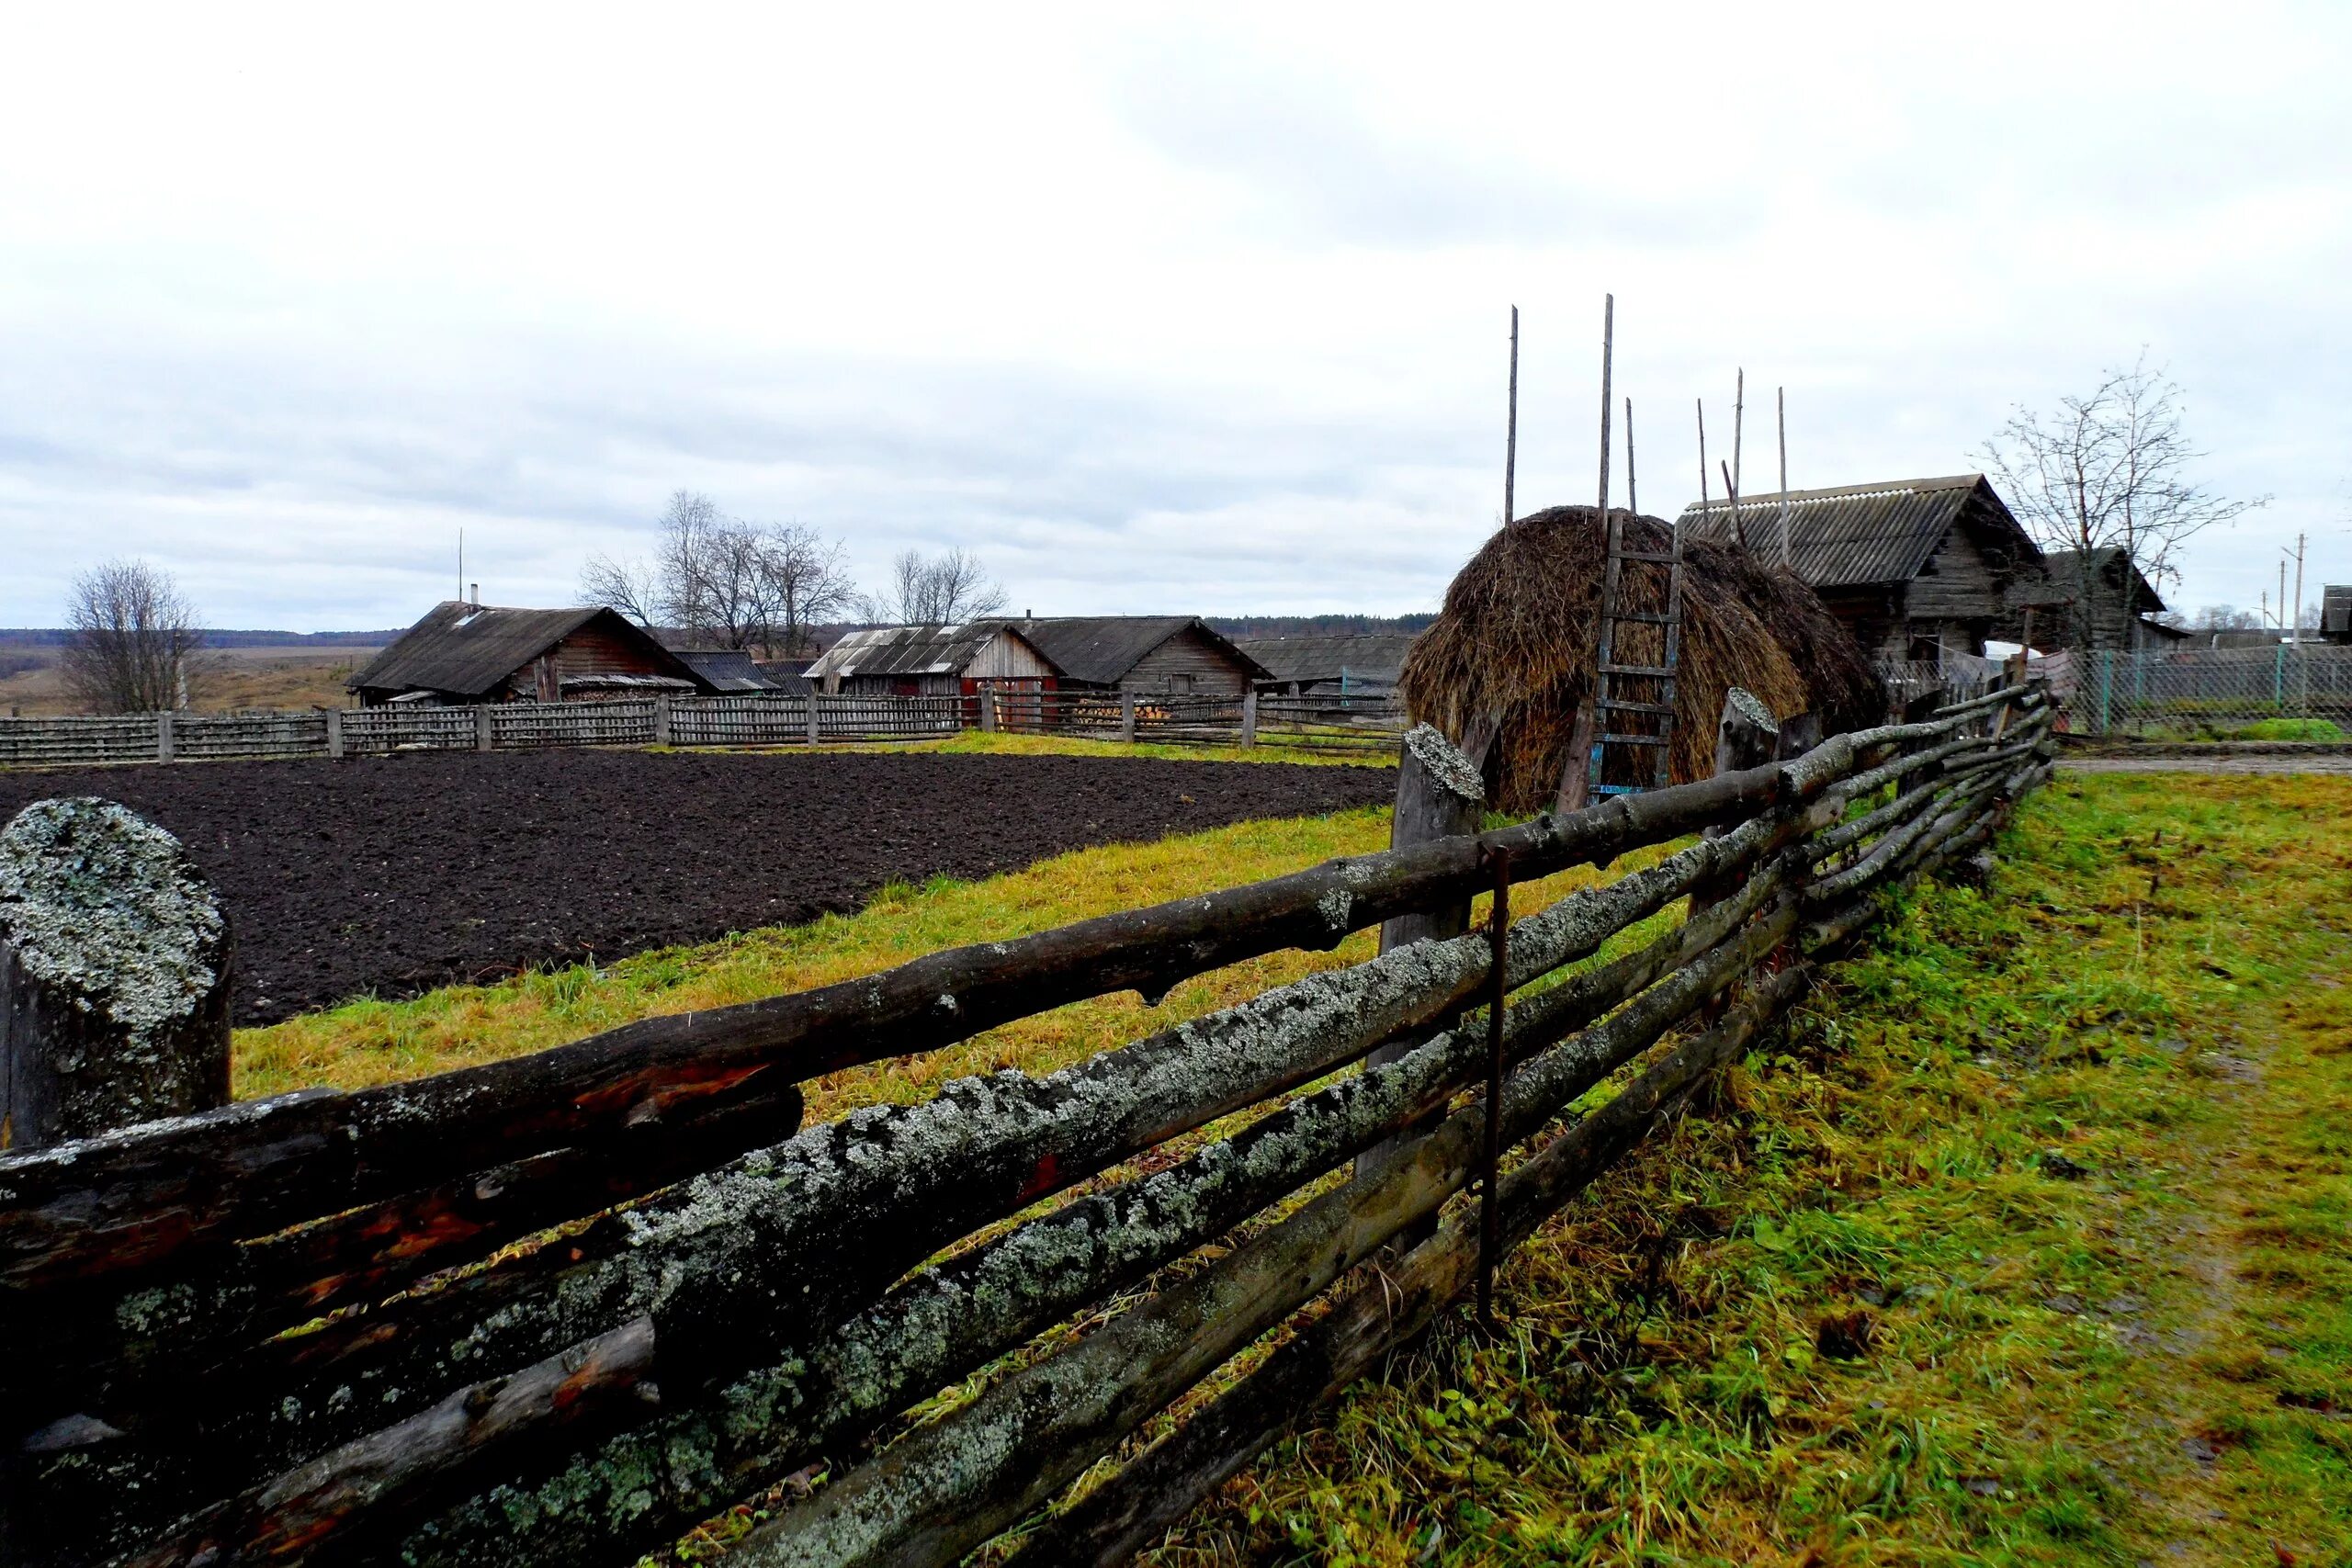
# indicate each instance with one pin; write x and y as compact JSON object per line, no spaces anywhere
{"x":107,"y":909}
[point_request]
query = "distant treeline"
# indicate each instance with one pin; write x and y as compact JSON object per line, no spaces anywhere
{"x":1317,"y":625}
{"x":55,"y":636}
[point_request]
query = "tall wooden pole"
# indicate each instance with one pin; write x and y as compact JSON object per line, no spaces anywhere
{"x":1781,"y":398}
{"x":1731,"y":496}
{"x":1738,"y":416}
{"x":1608,"y":341}
{"x":1511,"y":440}
{"x":1706,"y":505}
{"x":1633,"y":497}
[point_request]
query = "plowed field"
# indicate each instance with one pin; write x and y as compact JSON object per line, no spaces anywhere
{"x":395,"y":875}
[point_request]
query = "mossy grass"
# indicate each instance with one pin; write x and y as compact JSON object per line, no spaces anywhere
{"x":2024,"y":1243}
{"x":366,"y":1042}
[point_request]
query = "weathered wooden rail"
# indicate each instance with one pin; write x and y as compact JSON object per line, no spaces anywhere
{"x":560,"y":1309}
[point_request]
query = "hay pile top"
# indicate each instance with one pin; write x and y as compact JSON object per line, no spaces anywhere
{"x":1516,"y":638}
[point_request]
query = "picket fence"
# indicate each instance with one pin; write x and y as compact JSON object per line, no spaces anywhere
{"x":560,"y":1309}
{"x":780,"y":720}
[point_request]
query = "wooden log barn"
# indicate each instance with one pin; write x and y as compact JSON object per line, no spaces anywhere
{"x":1914,"y":567}
{"x":466,"y":653}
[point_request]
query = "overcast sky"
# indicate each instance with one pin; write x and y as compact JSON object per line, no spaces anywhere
{"x":1156,"y":310}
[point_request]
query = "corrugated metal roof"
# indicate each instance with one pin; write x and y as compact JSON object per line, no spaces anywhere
{"x":471,"y":650}
{"x":723,"y":670}
{"x":1101,"y":650}
{"x":1856,"y":536}
{"x":1373,"y":656}
{"x":906,"y":650}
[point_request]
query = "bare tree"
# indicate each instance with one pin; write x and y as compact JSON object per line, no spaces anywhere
{"x":738,"y":584}
{"x":809,"y":581}
{"x":2225,"y":618}
{"x":937,"y":590}
{"x":627,"y":583}
{"x":133,"y":639}
{"x":2109,"y":470}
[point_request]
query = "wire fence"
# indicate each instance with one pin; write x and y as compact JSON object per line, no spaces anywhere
{"x":2285,"y":692}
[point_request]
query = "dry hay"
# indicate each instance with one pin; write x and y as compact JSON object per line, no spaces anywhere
{"x":1515,"y":634}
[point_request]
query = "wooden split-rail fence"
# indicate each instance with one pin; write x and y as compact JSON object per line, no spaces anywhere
{"x":560,"y":1309}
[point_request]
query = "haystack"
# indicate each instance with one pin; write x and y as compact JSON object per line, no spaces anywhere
{"x":1516,"y":635}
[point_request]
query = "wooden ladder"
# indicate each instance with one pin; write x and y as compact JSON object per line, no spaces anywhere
{"x":1621,"y":720}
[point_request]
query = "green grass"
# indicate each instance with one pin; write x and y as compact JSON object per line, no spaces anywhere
{"x":1003,"y":744}
{"x":2024,"y":1244}
{"x":2290,"y":730}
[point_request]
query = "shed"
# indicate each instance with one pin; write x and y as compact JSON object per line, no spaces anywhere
{"x":2336,"y":611}
{"x":462,"y":653}
{"x":1912,"y":566}
{"x":915,"y":662}
{"x":1158,"y":655}
{"x":2095,"y":599}
{"x":1363,"y":664}
{"x":724,"y":669}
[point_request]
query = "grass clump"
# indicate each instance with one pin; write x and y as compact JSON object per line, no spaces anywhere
{"x":2022,"y":1244}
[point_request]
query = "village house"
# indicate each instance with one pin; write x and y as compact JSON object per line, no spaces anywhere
{"x":2095,"y":601}
{"x":1351,"y":665}
{"x":1914,"y":567}
{"x":933,"y":661}
{"x":463,"y":653}
{"x":1148,"y":655}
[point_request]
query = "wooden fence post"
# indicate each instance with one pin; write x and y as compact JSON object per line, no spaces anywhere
{"x":814,"y":731}
{"x":114,"y":976}
{"x":1249,"y":717}
{"x":162,"y":738}
{"x":1745,"y":736}
{"x":1439,"y":795}
{"x":483,"y":734}
{"x":660,"y":718}
{"x":1800,"y":733}
{"x":1127,"y":718}
{"x":334,"y":732}
{"x":989,"y":720}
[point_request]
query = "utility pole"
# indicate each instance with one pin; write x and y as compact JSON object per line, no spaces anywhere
{"x":2296,"y":637}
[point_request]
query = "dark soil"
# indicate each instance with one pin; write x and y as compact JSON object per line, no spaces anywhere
{"x":395,"y":875}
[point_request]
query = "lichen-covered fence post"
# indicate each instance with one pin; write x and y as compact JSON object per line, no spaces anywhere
{"x":114,"y":976}
{"x":1439,"y":795}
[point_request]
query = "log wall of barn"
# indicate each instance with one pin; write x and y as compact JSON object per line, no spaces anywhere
{"x":1213,"y":671}
{"x":596,"y":650}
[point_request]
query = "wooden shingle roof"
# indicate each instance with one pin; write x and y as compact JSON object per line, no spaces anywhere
{"x":1859,"y":536}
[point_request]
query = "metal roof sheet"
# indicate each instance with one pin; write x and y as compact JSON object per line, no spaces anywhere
{"x":1101,"y":650}
{"x":906,"y":650}
{"x":1378,"y":655}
